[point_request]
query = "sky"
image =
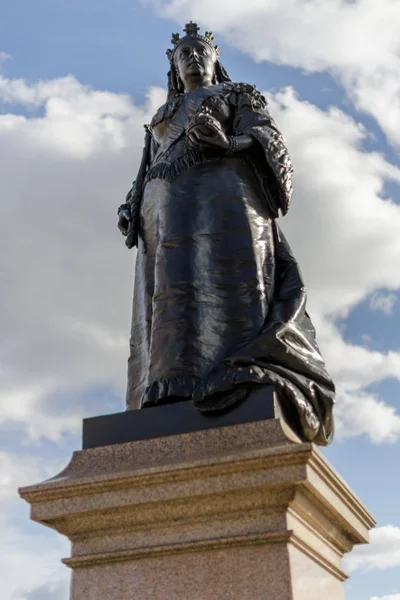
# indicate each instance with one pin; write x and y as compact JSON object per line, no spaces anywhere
{"x":78,"y":79}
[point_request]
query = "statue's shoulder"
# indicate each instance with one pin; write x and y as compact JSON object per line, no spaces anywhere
{"x":159,"y":115}
{"x":242,"y":88}
{"x":249,"y":94}
{"x":167,"y":110}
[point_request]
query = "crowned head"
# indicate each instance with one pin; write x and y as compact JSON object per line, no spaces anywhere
{"x":194,"y":61}
{"x":191,"y":31}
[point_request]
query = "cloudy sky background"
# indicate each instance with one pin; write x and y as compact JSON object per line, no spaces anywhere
{"x":78,"y":78}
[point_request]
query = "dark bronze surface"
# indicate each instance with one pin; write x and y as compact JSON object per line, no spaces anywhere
{"x":219,"y":301}
{"x":174,"y":419}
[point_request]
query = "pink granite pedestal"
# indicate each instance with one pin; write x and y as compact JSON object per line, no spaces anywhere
{"x":243,"y":512}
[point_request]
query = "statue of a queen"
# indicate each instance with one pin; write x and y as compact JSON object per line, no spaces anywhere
{"x":219,"y":303}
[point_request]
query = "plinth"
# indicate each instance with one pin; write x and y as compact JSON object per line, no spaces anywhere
{"x":235,"y":508}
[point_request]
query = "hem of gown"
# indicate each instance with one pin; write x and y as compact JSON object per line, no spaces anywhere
{"x":224,"y":389}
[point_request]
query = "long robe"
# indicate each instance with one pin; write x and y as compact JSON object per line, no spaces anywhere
{"x":219,"y":302}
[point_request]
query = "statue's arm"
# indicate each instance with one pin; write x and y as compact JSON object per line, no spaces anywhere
{"x":271,"y":156}
{"x":128,"y":212}
{"x":240,"y":143}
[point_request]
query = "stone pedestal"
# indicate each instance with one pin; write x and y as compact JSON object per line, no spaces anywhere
{"x":242,"y":511}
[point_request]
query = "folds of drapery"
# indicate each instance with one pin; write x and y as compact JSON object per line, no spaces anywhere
{"x":283,"y":349}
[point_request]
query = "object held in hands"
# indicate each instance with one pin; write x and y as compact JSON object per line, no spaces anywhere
{"x":205,"y":132}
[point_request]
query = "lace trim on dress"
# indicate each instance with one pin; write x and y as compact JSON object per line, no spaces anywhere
{"x":172,"y":170}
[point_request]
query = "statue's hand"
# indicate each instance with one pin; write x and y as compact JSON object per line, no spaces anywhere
{"x":204,"y":136}
{"x":124,"y":216}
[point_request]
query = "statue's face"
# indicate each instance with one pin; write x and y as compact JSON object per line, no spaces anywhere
{"x":195,"y":59}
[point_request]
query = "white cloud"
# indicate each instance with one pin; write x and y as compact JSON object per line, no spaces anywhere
{"x":79,"y":122}
{"x":382,"y":302}
{"x":382,"y":552}
{"x":17,"y":471}
{"x":352,"y":232}
{"x":39,"y":552}
{"x":39,"y":557}
{"x":359,"y":413}
{"x":357,"y":42}
{"x":354,"y":367}
{"x":390,"y":597}
{"x":67,"y":276}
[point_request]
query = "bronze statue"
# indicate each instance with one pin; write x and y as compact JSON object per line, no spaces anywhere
{"x":219,"y":303}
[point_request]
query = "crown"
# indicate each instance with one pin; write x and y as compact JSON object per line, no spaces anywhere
{"x":192,"y":31}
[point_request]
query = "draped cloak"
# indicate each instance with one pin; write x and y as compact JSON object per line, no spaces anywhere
{"x":219,"y":302}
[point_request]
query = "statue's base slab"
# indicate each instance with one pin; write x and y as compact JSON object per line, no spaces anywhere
{"x":244,"y":511}
{"x":172,"y":419}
